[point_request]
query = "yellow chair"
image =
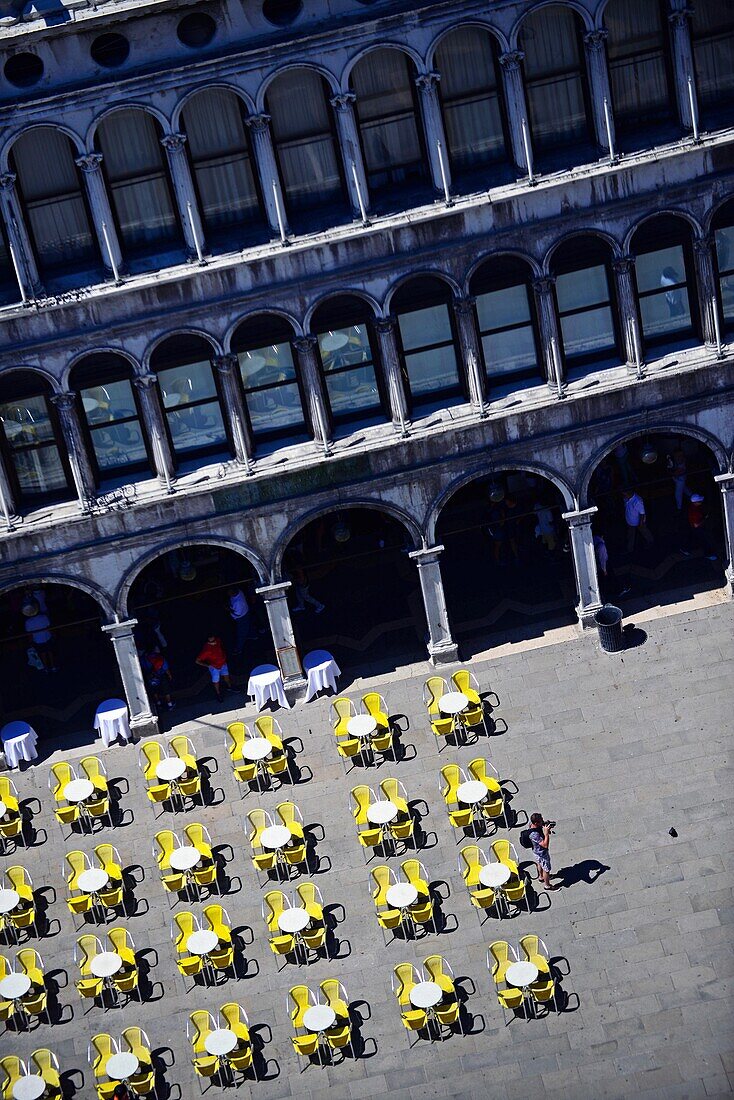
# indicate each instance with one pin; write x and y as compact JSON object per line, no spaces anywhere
{"x":61,"y":774}
{"x":198,"y":837}
{"x":217,"y":918}
{"x":382,"y":742}
{"x":305,"y":1045}
{"x":35,"y":1001}
{"x":24,"y":914}
{"x":465,"y":682}
{"x":164,"y":843}
{"x":46,"y":1064}
{"x":182,"y":925}
{"x":388,"y":918}
{"x":362,"y":796}
{"x":150,"y":756}
{"x":200,"y":1024}
{"x":535,"y":951}
{"x":415,"y":873}
{"x":273,"y":904}
{"x":292,"y":818}
{"x":433,"y":689}
{"x":101,"y":1048}
{"x":269,"y":728}
{"x":181,"y":747}
{"x":348,"y":748}
{"x":343,"y":709}
{"x":123,"y":945}
{"x":11,"y":827}
{"x":300,"y":999}
{"x":510,"y":998}
{"x":137,"y":1042}
{"x":335,"y":996}
{"x":471,"y":861}
{"x":479,"y":769}
{"x":12,"y":1070}
{"x":109,"y":860}
{"x":374,"y":705}
{"x":515,"y":890}
{"x":312,"y":901}
{"x":263,"y":859}
{"x":448,"y":1011}
{"x":499,"y":956}
{"x":245,"y":771}
{"x":459,"y":816}
{"x":85,"y":949}
{"x":96,"y":773}
{"x":234,"y":1017}
{"x":404,"y":977}
{"x":504,"y":852}
{"x":402,"y":828}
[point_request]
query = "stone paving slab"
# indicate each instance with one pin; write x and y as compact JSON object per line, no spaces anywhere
{"x":617,"y":748}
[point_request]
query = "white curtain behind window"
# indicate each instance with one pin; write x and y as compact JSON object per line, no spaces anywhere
{"x":469,"y":96}
{"x":303,"y":138}
{"x":219,"y":152}
{"x":385,"y":108}
{"x":51,"y":189}
{"x":553,"y":76}
{"x":636,"y":60}
{"x":712,"y":28}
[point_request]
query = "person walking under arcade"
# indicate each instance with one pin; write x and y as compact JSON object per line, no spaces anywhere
{"x":636,"y":519}
{"x":214,"y":658}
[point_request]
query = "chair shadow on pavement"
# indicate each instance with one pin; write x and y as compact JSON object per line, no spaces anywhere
{"x":588,"y":871}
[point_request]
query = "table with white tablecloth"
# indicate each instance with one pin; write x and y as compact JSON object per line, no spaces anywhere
{"x":19,"y":743}
{"x":111,"y":721}
{"x":266,"y":685}
{"x":321,"y":670}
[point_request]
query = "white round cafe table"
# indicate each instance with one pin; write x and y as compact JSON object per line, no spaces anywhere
{"x":202,"y":942}
{"x":92,"y":880}
{"x":30,"y":1087}
{"x":19,"y":743}
{"x":319,"y":1018}
{"x":321,"y":672}
{"x":494,"y":874}
{"x":78,"y":790}
{"x":471,"y":792}
{"x":105,"y":964}
{"x":111,"y":721}
{"x":453,"y":702}
{"x":220,"y":1041}
{"x":8,"y":900}
{"x":184,"y":858}
{"x":361,"y":726}
{"x":401,"y":895}
{"x":275,"y":836}
{"x":14,"y":986}
{"x":121,"y":1066}
{"x":521,"y":974}
{"x":256,"y":748}
{"x":379,"y":813}
{"x":293,"y":920}
{"x":170,"y":769}
{"x":425,"y":995}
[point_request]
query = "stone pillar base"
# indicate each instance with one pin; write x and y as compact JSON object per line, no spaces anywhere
{"x":443,"y":654}
{"x":145,"y":725}
{"x":295,"y":689}
{"x":586,"y":615}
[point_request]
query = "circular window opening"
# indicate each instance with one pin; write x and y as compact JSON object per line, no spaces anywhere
{"x":196,"y":30}
{"x":110,"y":50}
{"x":281,"y":12}
{"x":23,"y":70}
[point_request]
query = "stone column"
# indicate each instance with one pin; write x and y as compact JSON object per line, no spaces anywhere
{"x":442,"y":649}
{"x":549,"y":334}
{"x":275,"y":597}
{"x":584,"y":563}
{"x":351,"y":152}
{"x":703,"y":252}
{"x":598,"y":72}
{"x":627,"y":305}
{"x":683,"y":68}
{"x":267,"y":170}
{"x":76,"y":446}
{"x":433,"y":131}
{"x":143,"y":722}
{"x":22,"y":256}
{"x":186,"y":201}
{"x":99,"y":203}
{"x":7,"y":496}
{"x":726,"y":483}
{"x":517,"y":108}
{"x":315,"y":394}
{"x":390,"y":358}
{"x":471,"y":352}
{"x":228,"y":369}
{"x":164,"y":466}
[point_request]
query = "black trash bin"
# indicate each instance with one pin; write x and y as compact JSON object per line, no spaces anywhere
{"x":609,"y":620}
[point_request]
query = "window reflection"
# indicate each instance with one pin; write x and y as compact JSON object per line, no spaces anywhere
{"x":114,"y":427}
{"x":271,"y":389}
{"x":585,"y":311}
{"x":554,"y":77}
{"x":637,"y":62}
{"x":386,"y":111}
{"x":663,"y":293}
{"x":470,"y":98}
{"x":304,"y":141}
{"x":34,"y":454}
{"x":712,"y":31}
{"x":192,"y":409}
{"x":724,"y":238}
{"x":506,"y":329}
{"x":349,"y":371}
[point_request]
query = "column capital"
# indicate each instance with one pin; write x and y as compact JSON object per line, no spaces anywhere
{"x":122,"y":629}
{"x":7,"y":181}
{"x":258,"y":123}
{"x":680,"y":18}
{"x":725,"y":482}
{"x":427,"y":81}
{"x":90,"y":162}
{"x":173,"y":141}
{"x":581,"y":517}
{"x":386,"y":325}
{"x":595,"y":39}
{"x":343,"y":101}
{"x":544,"y":284}
{"x":426,"y":556}
{"x":305,"y":344}
{"x":271,"y":592}
{"x":145,"y":381}
{"x":64,"y":401}
{"x":225,"y":364}
{"x":623,"y":264}
{"x":464,"y":305}
{"x":511,"y":60}
{"x":703,"y":246}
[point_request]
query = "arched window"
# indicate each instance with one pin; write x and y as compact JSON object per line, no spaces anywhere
{"x":190,"y":395}
{"x":666,"y":283}
{"x":425,"y":320}
{"x":55,"y":206}
{"x":135,"y":166}
{"x":712,"y":31}
{"x":343,"y":327}
{"x":508,"y":326}
{"x":302,"y":126}
{"x":637,"y":48}
{"x":584,"y":297}
{"x":724,"y":239}
{"x":263,"y":345}
{"x":555,"y":79}
{"x":111,"y":415}
{"x":388,"y":123}
{"x":469,"y":89}
{"x":219,"y":149}
{"x":31,"y":438}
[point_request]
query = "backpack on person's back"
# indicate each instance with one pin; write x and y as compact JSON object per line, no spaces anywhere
{"x":525,"y":841}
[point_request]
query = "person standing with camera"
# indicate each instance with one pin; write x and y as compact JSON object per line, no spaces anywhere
{"x":539,"y":836}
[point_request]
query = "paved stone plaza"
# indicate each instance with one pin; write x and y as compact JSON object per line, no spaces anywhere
{"x":617,"y":748}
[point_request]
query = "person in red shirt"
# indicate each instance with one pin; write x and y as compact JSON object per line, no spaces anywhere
{"x":698,"y":536}
{"x":214,"y":658}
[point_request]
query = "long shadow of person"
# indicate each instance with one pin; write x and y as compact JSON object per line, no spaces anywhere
{"x":588,"y":871}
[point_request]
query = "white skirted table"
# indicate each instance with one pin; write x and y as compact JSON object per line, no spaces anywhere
{"x":111,"y":721}
{"x":19,"y":743}
{"x":266,"y":685}
{"x":321,"y":670}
